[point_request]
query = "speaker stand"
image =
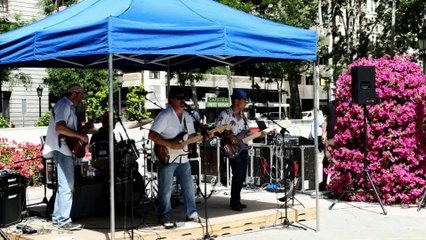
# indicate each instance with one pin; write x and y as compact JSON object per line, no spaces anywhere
{"x":365,"y":171}
{"x":422,"y":201}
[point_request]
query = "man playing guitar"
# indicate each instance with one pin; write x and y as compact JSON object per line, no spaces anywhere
{"x":234,"y":117}
{"x":169,"y":123}
{"x":63,"y":123}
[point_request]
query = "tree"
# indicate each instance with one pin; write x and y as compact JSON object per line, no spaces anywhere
{"x":94,"y":81}
{"x":356,"y":31}
{"x":299,"y":13}
{"x":410,"y":19}
{"x":135,"y":110}
{"x":51,"y":6}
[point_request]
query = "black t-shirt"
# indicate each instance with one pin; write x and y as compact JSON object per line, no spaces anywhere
{"x":331,"y":119}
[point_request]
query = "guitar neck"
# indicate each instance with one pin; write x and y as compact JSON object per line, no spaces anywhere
{"x":199,"y":137}
{"x":255,"y":135}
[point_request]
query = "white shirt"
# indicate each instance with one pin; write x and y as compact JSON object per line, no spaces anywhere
{"x":64,"y":110}
{"x":168,"y":125}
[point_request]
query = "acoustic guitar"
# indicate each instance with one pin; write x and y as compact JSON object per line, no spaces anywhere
{"x":167,"y":155}
{"x":231,"y":150}
{"x":76,"y":146}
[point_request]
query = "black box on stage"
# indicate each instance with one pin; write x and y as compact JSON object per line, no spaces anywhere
{"x":87,"y":200}
{"x":10,"y":206}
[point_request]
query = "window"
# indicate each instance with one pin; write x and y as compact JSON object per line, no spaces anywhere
{"x":3,"y":5}
{"x":309,"y":80}
{"x":154,"y":74}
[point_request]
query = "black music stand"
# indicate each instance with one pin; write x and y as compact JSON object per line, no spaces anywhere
{"x":286,"y":168}
{"x":129,"y":177}
{"x":286,"y":222}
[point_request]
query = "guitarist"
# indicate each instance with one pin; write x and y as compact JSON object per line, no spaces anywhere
{"x":169,"y":123}
{"x":64,"y":122}
{"x":235,"y":118}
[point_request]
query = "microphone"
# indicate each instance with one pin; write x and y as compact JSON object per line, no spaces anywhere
{"x":285,"y":130}
{"x":144,"y":92}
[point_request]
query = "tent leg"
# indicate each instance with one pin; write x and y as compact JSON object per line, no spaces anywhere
{"x":111,"y":146}
{"x":316,"y":153}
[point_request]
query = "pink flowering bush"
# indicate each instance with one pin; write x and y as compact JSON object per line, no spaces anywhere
{"x":22,"y":158}
{"x":396,"y":132}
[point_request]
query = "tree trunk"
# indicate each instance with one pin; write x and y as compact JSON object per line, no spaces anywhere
{"x":295,"y":108}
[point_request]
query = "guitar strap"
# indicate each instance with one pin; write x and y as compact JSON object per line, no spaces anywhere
{"x":59,"y":136}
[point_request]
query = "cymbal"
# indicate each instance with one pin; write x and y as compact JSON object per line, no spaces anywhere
{"x":140,"y":123}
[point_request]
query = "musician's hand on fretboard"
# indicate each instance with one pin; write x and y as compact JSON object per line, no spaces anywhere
{"x":84,"y":138}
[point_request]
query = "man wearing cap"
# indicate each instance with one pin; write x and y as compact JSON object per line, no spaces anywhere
{"x":167,"y":125}
{"x":64,"y":122}
{"x":235,"y":118}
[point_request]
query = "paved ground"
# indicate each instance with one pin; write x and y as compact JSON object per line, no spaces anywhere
{"x":345,"y":221}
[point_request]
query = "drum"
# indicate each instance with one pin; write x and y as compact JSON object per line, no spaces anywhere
{"x":127,"y":151}
{"x":100,"y":154}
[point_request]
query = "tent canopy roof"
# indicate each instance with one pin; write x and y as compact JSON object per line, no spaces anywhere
{"x":146,"y":34}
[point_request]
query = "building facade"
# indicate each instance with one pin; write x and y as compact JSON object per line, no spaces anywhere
{"x":21,"y":103}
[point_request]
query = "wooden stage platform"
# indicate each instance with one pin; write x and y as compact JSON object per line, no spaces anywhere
{"x":263,"y":211}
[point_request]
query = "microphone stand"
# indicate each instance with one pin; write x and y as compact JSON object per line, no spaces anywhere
{"x":134,"y":152}
{"x":205,"y":137}
{"x":286,"y":223}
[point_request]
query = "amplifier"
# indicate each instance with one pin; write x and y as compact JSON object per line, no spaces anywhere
{"x":9,"y":180}
{"x":10,"y":206}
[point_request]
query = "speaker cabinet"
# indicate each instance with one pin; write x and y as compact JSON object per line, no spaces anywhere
{"x":363,"y":84}
{"x":10,"y":206}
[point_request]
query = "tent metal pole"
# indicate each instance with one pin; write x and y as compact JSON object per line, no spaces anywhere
{"x":111,"y":147}
{"x":316,"y":152}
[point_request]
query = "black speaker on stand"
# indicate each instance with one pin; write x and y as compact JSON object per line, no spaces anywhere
{"x":363,"y":93}
{"x":363,"y":84}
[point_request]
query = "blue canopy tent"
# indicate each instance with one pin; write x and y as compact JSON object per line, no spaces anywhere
{"x":153,"y":35}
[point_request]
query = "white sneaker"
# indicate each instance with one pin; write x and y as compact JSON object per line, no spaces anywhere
{"x":70,"y":226}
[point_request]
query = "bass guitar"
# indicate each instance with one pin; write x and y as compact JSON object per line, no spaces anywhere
{"x":167,"y":155}
{"x":231,"y":150}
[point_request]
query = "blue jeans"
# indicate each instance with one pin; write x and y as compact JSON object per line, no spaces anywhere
{"x":239,"y":166}
{"x":63,"y":202}
{"x":182,"y":171}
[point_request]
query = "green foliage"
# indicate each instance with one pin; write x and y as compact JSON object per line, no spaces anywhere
{"x":94,"y":81}
{"x":50,"y":6}
{"x":4,"y":123}
{"x":409,"y":15}
{"x":135,"y":110}
{"x":299,"y":13}
{"x":221,"y":70}
{"x":43,"y":120}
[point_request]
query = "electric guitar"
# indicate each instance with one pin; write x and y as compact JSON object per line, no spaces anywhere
{"x":231,"y":150}
{"x":167,"y":155}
